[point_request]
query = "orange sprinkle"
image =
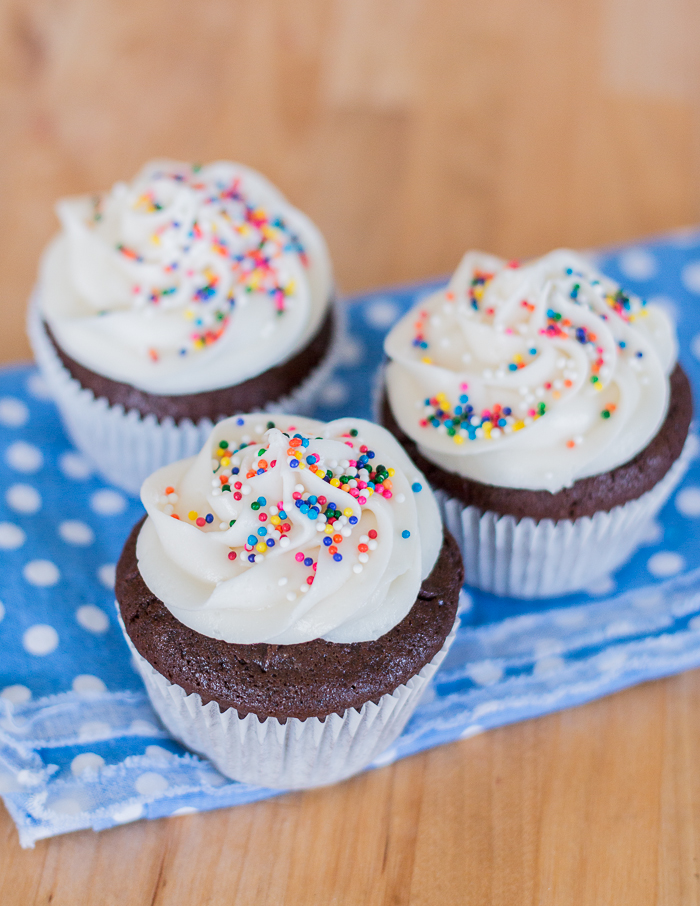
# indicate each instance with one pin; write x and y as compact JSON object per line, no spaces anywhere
{"x":338,"y":539}
{"x":250,"y":474}
{"x":570,"y":444}
{"x":169,"y":490}
{"x":568,"y":383}
{"x":332,"y":549}
{"x":295,"y":442}
{"x":174,"y":516}
{"x":262,"y":464}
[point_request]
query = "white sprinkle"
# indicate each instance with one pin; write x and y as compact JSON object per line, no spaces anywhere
{"x":364,"y":539}
{"x":223,"y":526}
{"x":344,"y":463}
{"x":487,"y":373}
{"x":444,"y":342}
{"x":216,"y":492}
{"x":346,"y":531}
{"x":246,"y":439}
{"x":284,"y":542}
{"x":558,"y":384}
{"x":173,"y":498}
{"x":357,"y":568}
{"x":245,"y":489}
{"x":291,"y":596}
{"x":282,"y":581}
{"x":363,"y":558}
{"x":299,"y":487}
{"x":400,"y":498}
{"x":259,"y":429}
{"x":523,"y":391}
{"x":320,"y":527}
{"x":466,"y":356}
{"x":495,"y":433}
{"x":539,"y":392}
{"x":372,"y":545}
{"x":259,"y":558}
{"x":304,"y":588}
{"x":561,"y":363}
{"x":273,"y":511}
{"x":168,"y":508}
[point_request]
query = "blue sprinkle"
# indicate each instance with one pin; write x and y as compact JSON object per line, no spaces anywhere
{"x":304,"y":508}
{"x":370,"y":454}
{"x":622,"y":344}
{"x":331,"y":506}
{"x":209,"y":517}
{"x":270,"y":542}
{"x":294,"y":464}
{"x":298,"y":503}
{"x":313,"y":511}
{"x":240,"y":421}
{"x":251,"y":558}
{"x":507,"y":410}
{"x":337,"y":557}
{"x":639,"y":355}
{"x":512,"y":367}
{"x":311,"y":459}
{"x":405,"y":533}
{"x":416,"y":486}
{"x":305,"y":442}
{"x":533,"y":351}
{"x":262,"y":501}
{"x":464,"y":398}
{"x":327,"y":541}
{"x":282,"y":514}
{"x":261,"y":471}
{"x":308,"y":561}
{"x":235,"y":470}
{"x":262,"y":531}
{"x":502,"y":423}
{"x":353,"y":520}
{"x":313,"y":499}
{"x":252,"y":540}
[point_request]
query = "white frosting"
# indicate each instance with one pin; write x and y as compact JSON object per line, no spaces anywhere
{"x":188,"y":279}
{"x":382,"y":546}
{"x":578,"y":368}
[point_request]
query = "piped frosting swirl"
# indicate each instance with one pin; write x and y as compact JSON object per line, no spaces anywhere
{"x":530,"y":376}
{"x":187,"y":279}
{"x":288,"y":531}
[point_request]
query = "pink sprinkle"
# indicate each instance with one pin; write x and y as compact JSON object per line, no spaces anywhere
{"x":387,"y":495}
{"x":353,"y":463}
{"x":354,"y":492}
{"x":362,"y":500}
{"x":299,"y":557}
{"x":379,"y":490}
{"x":201,"y":521}
{"x":296,"y":495}
{"x":361,"y":484}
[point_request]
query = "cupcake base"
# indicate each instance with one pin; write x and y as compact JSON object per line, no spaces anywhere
{"x":534,"y":544}
{"x":128,"y":434}
{"x":288,"y":716}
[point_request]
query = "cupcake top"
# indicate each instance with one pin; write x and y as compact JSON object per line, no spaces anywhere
{"x":289,"y":531}
{"x":185,"y":280}
{"x":530,"y":376}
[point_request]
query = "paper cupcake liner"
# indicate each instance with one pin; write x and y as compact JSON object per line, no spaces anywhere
{"x":523,"y":558}
{"x":297,"y":754}
{"x":126,"y":447}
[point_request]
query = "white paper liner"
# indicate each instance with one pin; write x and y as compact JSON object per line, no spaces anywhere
{"x":126,"y":447}
{"x":297,"y":754}
{"x":522,"y":558}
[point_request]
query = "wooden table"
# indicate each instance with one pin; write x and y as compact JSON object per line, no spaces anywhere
{"x":410,"y":130}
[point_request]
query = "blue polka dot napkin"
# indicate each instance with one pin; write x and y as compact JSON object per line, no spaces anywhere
{"x":80,"y":745}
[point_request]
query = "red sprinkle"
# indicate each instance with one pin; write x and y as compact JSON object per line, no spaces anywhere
{"x":232,"y":555}
{"x":372,"y":533}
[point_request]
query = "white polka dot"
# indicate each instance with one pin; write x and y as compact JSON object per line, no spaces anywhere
{"x":465,"y":602}
{"x":24,"y":457}
{"x":107,"y":502}
{"x":40,"y":639}
{"x":648,"y":600}
{"x":473,"y":730}
{"x":17,"y":694}
{"x":11,"y":536}
{"x":87,"y":685}
{"x":131,"y":812}
{"x":688,"y":501}
{"x":92,"y":618}
{"x":352,"y":352}
{"x":8,"y":784}
{"x":75,"y":466}
{"x":665,"y":563}
{"x":158,"y":753}
{"x":184,"y":810}
{"x":23,"y":498}
{"x":75,"y":532}
{"x":13,"y":412}
{"x":381,"y":313}
{"x":143,"y":728}
{"x":548,"y":665}
{"x":690,"y":275}
{"x":334,"y":393}
{"x":570,"y":618}
{"x":106,"y":574}
{"x":652,"y":533}
{"x":86,"y":761}
{"x":612,"y":660}
{"x":388,"y":757}
{"x":94,"y":729}
{"x":637,"y":264}
{"x":692,"y":446}
{"x":2,"y":611}
{"x":485,"y":673}
{"x":42,"y":573}
{"x":685,"y":237}
{"x":151,"y":784}
{"x":694,"y":624}
{"x":29,"y":778}
{"x":38,"y":387}
{"x":603,"y":586}
{"x":212,"y":778}
{"x":547,"y":647}
{"x":65,"y":806}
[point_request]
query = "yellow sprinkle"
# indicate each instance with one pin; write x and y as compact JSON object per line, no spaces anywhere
{"x":598,"y":386}
{"x":192,"y":514}
{"x":302,"y":465}
{"x":347,"y":511}
{"x":335,"y":483}
{"x":427,"y":361}
{"x":297,"y":455}
{"x":329,"y":529}
{"x":275,"y":520}
{"x":556,"y":394}
{"x":261,"y":547}
{"x":369,"y":491}
{"x":320,"y":473}
{"x":391,"y":472}
{"x":225,"y":461}
{"x":518,"y":426}
{"x":486,"y":428}
{"x":458,"y":439}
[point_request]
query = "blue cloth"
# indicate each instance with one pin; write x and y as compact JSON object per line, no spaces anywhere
{"x":79,"y":743}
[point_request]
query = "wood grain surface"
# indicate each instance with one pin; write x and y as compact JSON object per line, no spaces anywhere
{"x":409,"y":130}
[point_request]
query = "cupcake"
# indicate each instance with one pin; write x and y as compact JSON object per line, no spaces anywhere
{"x":182,"y":298}
{"x":288,"y":596}
{"x":546,"y":407}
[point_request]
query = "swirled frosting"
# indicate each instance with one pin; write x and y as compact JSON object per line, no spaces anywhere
{"x":530,"y":376}
{"x":290,"y":531}
{"x":185,"y":280}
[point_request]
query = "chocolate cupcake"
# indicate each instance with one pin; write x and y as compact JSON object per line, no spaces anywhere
{"x":547,"y":409}
{"x":165,"y":305}
{"x":288,"y":596}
